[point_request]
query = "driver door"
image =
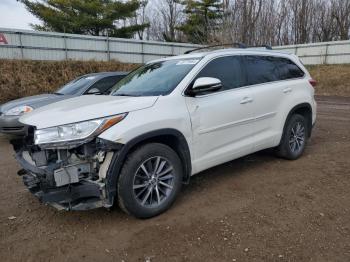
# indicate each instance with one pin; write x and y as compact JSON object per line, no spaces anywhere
{"x":222,"y":121}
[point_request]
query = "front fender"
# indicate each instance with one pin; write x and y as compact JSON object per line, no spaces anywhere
{"x":120,"y":156}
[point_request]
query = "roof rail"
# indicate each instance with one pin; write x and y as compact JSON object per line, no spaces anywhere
{"x":239,"y":45}
{"x":266,"y":46}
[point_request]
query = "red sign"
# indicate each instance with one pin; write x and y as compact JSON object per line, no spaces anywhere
{"x":3,"y":39}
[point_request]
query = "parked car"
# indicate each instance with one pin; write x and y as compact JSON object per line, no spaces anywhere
{"x":97,"y":83}
{"x":163,"y":123}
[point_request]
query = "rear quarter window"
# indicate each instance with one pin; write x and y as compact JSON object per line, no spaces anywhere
{"x":288,"y":70}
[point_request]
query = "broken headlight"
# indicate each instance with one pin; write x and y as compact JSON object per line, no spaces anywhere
{"x":80,"y":131}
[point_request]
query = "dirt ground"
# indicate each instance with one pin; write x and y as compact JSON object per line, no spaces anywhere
{"x":257,"y":208}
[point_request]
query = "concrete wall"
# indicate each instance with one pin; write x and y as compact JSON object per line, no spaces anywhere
{"x":33,"y":45}
{"x":337,"y":52}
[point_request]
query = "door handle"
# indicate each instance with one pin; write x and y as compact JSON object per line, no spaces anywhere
{"x":246,"y":100}
{"x":287,"y":90}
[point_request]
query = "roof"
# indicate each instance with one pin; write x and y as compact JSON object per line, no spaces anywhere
{"x":256,"y":51}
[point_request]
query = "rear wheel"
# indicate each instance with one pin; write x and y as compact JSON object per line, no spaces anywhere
{"x":294,"y":138}
{"x":150,"y":180}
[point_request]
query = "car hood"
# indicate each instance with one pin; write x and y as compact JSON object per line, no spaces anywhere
{"x":33,"y":101}
{"x":84,"y":108}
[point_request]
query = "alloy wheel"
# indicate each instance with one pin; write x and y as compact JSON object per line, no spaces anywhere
{"x":297,"y":138}
{"x":153,"y":181}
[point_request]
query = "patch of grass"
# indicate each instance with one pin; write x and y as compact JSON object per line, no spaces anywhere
{"x":19,"y":78}
{"x":332,"y":80}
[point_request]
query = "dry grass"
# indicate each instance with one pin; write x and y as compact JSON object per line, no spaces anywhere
{"x":332,"y":80}
{"x":24,"y":78}
{"x":19,"y":78}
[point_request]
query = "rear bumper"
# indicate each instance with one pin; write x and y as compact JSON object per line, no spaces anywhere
{"x":10,"y":125}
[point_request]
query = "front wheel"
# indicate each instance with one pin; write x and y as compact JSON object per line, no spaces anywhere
{"x":150,"y":180}
{"x":294,"y":138}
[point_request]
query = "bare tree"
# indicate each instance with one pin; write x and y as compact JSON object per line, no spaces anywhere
{"x":141,"y":18}
{"x":166,"y":16}
{"x":324,"y":25}
{"x":341,"y":13}
{"x":254,"y":22}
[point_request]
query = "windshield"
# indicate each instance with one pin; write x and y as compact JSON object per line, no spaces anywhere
{"x":154,"y":79}
{"x":74,"y":87}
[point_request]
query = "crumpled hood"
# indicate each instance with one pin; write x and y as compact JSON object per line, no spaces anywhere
{"x":33,"y":101}
{"x":84,"y":108}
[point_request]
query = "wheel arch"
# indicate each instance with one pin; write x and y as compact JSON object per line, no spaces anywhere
{"x":168,"y":136}
{"x":303,"y":109}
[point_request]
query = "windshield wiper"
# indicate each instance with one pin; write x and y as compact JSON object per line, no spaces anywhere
{"x":58,"y":94}
{"x":123,"y":94}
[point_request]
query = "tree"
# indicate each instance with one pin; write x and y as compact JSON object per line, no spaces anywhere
{"x":166,"y":16}
{"x":92,"y":17}
{"x":170,"y":14}
{"x":203,"y":16}
{"x":341,"y":13}
{"x":283,"y":22}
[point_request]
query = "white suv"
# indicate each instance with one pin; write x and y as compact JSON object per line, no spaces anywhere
{"x":165,"y":121}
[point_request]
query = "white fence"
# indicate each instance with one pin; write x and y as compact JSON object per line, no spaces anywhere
{"x":33,"y":45}
{"x":337,"y":52}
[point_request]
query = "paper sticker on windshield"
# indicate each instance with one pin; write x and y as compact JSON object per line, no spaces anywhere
{"x":188,"y":62}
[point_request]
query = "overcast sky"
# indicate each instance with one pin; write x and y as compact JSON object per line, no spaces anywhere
{"x":14,"y":15}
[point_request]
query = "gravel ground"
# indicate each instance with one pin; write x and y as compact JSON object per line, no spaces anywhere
{"x":257,"y":208}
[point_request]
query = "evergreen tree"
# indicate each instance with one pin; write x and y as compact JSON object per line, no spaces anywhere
{"x":202,"y":18}
{"x":92,"y":17}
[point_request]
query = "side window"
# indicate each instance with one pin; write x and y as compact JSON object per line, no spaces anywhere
{"x":227,"y":69}
{"x":105,"y":84}
{"x":260,"y":69}
{"x":288,"y":70}
{"x":263,"y":69}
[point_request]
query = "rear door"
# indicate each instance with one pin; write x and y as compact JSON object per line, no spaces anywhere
{"x":222,"y":121}
{"x":267,"y":78}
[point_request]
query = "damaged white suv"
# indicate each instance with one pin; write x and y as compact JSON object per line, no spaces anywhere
{"x":164,"y":122}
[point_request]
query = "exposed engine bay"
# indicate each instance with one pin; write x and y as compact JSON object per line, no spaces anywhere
{"x":72,"y":178}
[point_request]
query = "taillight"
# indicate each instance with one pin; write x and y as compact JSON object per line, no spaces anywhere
{"x":313,"y":82}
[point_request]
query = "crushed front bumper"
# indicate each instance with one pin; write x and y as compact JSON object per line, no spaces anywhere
{"x":80,"y":196}
{"x":67,"y":179}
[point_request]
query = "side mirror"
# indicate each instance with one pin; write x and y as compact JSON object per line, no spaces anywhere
{"x":205,"y":84}
{"x":94,"y":91}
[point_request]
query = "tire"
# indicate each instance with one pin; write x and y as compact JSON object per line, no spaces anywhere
{"x":294,"y":138}
{"x":143,"y":192}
